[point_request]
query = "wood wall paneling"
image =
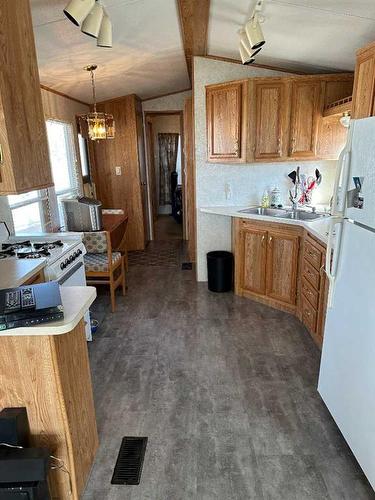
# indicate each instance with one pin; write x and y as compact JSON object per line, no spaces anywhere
{"x":122,"y":191}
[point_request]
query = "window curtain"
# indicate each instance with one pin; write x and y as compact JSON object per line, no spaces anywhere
{"x":168,"y":147}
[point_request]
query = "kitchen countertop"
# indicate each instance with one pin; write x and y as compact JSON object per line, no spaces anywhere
{"x":76,"y":301}
{"x":317,"y":227}
{"x":14,"y":272}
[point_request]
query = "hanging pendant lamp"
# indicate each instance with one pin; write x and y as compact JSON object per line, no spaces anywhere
{"x":96,"y":125}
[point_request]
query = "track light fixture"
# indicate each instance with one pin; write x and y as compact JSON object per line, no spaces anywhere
{"x":246,"y":52}
{"x":251,"y":36}
{"x":105,"y":33}
{"x":94,"y":21}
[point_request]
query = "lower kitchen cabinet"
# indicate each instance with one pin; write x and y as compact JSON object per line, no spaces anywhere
{"x":282,"y":266}
{"x":266,"y":262}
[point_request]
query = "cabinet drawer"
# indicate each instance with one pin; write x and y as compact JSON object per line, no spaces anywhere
{"x":310,"y":293}
{"x":311,"y":274}
{"x":309,"y":315}
{"x":313,"y":255}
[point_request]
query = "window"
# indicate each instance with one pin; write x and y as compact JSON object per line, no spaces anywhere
{"x":84,"y":157}
{"x":42,"y":210}
{"x":63,"y":163}
{"x":28,"y":211}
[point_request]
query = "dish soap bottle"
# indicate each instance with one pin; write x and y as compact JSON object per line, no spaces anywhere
{"x":275,"y":197}
{"x":265,"y":199}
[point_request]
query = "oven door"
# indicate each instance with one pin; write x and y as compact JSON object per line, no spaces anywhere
{"x":76,"y":277}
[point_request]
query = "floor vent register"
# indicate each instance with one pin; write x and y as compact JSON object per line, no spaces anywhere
{"x":128,"y":468}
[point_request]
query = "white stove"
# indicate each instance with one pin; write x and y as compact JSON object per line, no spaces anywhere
{"x":63,"y":253}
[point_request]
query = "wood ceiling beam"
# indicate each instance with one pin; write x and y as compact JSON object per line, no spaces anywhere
{"x":194,"y":15}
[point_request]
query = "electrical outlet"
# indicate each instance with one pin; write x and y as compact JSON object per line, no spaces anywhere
{"x":118,"y":170}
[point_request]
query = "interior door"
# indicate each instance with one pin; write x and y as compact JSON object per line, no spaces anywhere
{"x":142,"y":172}
{"x":304,"y":118}
{"x":224,"y":117}
{"x":271,"y":105}
{"x":282,"y":265}
{"x":253,"y":259}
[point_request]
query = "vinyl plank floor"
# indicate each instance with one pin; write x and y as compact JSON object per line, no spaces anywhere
{"x":225,"y":390}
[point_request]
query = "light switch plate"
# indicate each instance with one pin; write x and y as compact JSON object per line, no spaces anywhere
{"x":118,"y":170}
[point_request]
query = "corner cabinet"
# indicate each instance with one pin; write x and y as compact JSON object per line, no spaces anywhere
{"x":305,"y":111}
{"x":226,"y":108}
{"x":269,"y":105}
{"x":24,"y":156}
{"x":266,"y":262}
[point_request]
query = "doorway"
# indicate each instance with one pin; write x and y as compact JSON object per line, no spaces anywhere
{"x":164,"y":145}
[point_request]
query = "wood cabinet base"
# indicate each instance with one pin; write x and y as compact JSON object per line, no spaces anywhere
{"x":50,"y":376}
{"x":280,"y":265}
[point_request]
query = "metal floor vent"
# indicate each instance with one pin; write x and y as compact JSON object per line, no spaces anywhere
{"x":187,"y":266}
{"x":128,"y":468}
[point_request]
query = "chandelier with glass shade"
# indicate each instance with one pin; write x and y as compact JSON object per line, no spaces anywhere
{"x":96,"y":125}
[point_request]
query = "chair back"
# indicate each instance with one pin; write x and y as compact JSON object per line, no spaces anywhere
{"x":97,"y":242}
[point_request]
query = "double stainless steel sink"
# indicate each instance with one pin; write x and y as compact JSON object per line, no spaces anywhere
{"x":284,"y":213}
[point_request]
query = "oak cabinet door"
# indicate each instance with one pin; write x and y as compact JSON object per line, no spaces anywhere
{"x":271,"y":106}
{"x":282,"y":266}
{"x":226,"y":129}
{"x":304,"y":118}
{"x":363,"y":95}
{"x":253,"y":256}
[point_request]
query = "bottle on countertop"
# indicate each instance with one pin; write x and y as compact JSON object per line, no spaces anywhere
{"x":275,"y":198}
{"x":265,"y":199}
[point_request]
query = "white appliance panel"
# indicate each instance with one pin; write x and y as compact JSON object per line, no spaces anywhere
{"x":347,"y":371}
{"x":362,"y":164}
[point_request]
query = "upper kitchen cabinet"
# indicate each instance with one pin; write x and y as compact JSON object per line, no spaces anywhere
{"x":364,"y":83}
{"x":24,"y":157}
{"x":226,"y":106}
{"x":305,"y":108}
{"x":269,"y":117}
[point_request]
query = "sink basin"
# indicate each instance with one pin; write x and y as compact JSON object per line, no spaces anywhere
{"x":269,"y":212}
{"x":302,"y":215}
{"x":283,"y":213}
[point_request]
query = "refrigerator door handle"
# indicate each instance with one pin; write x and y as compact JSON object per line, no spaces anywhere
{"x":332,"y":262}
{"x":338,"y":202}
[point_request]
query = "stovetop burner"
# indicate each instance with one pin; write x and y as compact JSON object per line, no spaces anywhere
{"x":48,"y":245}
{"x":30,"y":254}
{"x":16,"y":246}
{"x":7,"y":253}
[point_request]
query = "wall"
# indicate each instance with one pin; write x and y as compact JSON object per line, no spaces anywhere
{"x":163,"y":124}
{"x":245,"y":183}
{"x":174,"y":102}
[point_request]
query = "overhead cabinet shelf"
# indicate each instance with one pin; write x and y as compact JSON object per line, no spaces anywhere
{"x":338,"y":107}
{"x":275,"y":119}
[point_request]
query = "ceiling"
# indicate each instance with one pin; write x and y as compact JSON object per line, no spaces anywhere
{"x":148,"y":59}
{"x":305,"y":35}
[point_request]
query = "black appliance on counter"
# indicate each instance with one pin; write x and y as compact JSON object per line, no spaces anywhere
{"x":23,"y":470}
{"x":30,"y":305}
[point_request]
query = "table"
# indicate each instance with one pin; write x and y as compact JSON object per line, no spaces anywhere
{"x":116,"y":225}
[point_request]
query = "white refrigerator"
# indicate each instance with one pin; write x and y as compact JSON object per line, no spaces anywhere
{"x":347,"y":370}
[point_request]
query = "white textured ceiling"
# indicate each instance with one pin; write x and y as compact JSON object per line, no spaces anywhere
{"x":147,"y":57}
{"x":308,"y":35}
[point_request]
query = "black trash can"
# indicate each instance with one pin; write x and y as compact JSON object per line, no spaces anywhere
{"x":220,"y":271}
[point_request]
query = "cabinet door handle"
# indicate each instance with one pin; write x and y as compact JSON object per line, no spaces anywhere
{"x":263,"y":239}
{"x":279,"y":146}
{"x":270,"y":240}
{"x":237,"y":146}
{"x":1,"y":155}
{"x":293,"y":143}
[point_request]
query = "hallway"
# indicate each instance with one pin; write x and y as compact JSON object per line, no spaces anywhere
{"x":225,"y":390}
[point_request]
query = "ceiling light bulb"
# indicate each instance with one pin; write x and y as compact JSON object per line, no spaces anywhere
{"x":245,"y":56}
{"x":254,"y":33}
{"x":77,"y":10}
{"x":105,"y":33}
{"x":91,"y":25}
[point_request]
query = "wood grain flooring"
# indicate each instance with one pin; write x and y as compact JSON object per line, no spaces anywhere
{"x":225,"y":389}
